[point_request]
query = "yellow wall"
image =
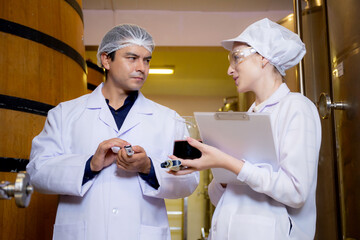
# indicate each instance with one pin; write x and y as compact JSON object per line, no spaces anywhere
{"x":200,"y":81}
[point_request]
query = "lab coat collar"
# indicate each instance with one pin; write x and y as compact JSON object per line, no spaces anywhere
{"x":141,"y":108}
{"x":96,"y":98}
{"x":275,"y":98}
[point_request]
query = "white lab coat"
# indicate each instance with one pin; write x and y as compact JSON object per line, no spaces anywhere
{"x":115,"y":204}
{"x":268,"y":199}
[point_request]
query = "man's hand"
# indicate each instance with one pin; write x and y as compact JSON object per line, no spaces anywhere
{"x":138,"y":162}
{"x":104,"y":156}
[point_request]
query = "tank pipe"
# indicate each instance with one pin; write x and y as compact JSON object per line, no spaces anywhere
{"x":298,"y":27}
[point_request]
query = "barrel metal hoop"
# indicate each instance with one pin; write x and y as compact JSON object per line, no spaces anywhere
{"x":75,"y":5}
{"x":94,"y":67}
{"x":42,"y":38}
{"x":13,"y":164}
{"x":24,"y":105}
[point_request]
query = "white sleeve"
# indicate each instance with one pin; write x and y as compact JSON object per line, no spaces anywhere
{"x":170,"y":186}
{"x":51,"y":170}
{"x":299,"y":135}
{"x":215,"y":191}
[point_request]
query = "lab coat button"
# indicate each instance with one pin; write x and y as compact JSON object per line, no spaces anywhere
{"x":115,"y":211}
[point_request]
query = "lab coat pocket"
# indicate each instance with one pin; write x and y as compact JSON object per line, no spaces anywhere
{"x":251,"y":227}
{"x":154,"y":233}
{"x":298,"y":234}
{"x":73,"y":231}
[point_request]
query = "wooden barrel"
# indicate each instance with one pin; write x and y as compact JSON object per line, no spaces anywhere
{"x":41,"y":64}
{"x":95,"y":76}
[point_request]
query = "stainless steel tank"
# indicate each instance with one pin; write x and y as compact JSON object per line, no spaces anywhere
{"x":331,"y":34}
{"x":317,"y":75}
{"x":344,"y":38}
{"x":291,"y":78}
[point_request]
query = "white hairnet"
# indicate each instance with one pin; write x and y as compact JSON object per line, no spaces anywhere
{"x":283,"y":48}
{"x":122,"y":36}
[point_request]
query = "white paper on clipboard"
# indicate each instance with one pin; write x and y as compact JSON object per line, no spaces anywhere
{"x":242,"y":135}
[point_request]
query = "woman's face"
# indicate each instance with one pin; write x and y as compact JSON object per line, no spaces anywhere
{"x":245,"y":72}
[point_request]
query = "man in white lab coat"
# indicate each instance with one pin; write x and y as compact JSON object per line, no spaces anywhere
{"x":104,"y":194}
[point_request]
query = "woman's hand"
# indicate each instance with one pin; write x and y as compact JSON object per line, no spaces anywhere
{"x":211,"y":158}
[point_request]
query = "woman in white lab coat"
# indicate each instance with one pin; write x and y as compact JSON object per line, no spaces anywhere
{"x":268,"y":203}
{"x":116,"y":203}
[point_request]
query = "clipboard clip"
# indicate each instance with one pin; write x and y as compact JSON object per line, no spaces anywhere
{"x":231,"y":116}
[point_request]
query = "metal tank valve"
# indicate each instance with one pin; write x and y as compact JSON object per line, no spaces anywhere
{"x":21,"y":190}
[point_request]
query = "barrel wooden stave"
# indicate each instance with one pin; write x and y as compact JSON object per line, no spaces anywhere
{"x":33,"y":71}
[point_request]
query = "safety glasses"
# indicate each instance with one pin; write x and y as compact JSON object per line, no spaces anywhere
{"x":238,"y":56}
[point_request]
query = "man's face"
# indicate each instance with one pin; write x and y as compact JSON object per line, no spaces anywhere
{"x":130,"y":67}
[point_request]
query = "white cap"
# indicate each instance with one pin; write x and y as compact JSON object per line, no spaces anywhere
{"x":283,"y":48}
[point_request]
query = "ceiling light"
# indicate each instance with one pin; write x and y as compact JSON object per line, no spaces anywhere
{"x":161,"y":71}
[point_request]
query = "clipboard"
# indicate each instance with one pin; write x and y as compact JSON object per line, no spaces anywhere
{"x":242,"y":135}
